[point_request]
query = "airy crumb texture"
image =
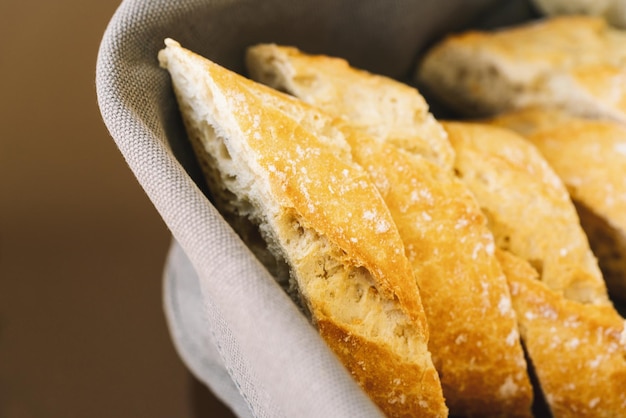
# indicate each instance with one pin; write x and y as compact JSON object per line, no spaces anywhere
{"x":288,"y":167}
{"x":529,"y":209}
{"x":578,"y":351}
{"x":576,"y":63}
{"x":473,"y":330}
{"x":590,"y":157}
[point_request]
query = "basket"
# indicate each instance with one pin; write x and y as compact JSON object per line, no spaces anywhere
{"x":233,"y":326}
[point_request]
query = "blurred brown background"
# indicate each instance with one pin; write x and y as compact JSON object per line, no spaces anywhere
{"x":82,"y":331}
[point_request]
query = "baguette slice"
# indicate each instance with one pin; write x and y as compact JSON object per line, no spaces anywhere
{"x":473,"y":330}
{"x":575,"y":63}
{"x":578,"y":351}
{"x":529,"y":209}
{"x":590,"y":158}
{"x":288,"y":167}
{"x":377,"y":104}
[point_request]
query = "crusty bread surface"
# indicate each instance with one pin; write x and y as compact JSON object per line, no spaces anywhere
{"x":590,"y":157}
{"x":473,"y":330}
{"x":383,"y":107}
{"x":288,"y":167}
{"x":425,"y":252}
{"x":575,"y":63}
{"x":529,"y":209}
{"x":578,"y":351}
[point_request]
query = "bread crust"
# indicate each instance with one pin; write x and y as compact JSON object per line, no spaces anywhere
{"x":290,"y":169}
{"x":473,"y":335}
{"x":529,"y":209}
{"x":578,"y":351}
{"x":382,"y":107}
{"x":388,"y":379}
{"x":590,"y":157}
{"x":569,"y":62}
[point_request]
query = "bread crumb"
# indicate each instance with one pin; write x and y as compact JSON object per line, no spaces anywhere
{"x":620,"y":148}
{"x":461,"y":223}
{"x":572,"y":322}
{"x":548,"y":312}
{"x":512,"y":338}
{"x":476,"y":250}
{"x":596,"y":361}
{"x":594,"y":402}
{"x":573,"y":343}
{"x":504,"y":306}
{"x":421,"y":195}
{"x":382,"y":225}
{"x":515,"y":288}
{"x":508,"y":389}
{"x":395,"y":399}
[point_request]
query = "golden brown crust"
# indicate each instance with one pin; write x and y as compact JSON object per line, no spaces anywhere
{"x":578,"y":350}
{"x":399,"y":388}
{"x":569,"y":62}
{"x":473,"y":336}
{"x":290,"y":165}
{"x":590,"y":157}
{"x":382,"y":107}
{"x":529,"y":209}
{"x":309,"y":176}
{"x":473,"y":332}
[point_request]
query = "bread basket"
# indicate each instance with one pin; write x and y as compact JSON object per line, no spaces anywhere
{"x":232,"y":325}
